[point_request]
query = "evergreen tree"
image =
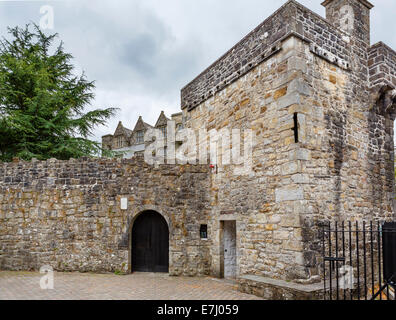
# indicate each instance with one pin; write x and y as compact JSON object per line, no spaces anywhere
{"x":42,"y":101}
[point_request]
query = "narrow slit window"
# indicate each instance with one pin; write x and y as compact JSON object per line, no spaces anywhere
{"x":295,"y":128}
{"x":203,"y":231}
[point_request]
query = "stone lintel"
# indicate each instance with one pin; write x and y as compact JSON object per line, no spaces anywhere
{"x":227,"y":217}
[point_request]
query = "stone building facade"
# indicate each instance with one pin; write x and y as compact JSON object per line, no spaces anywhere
{"x":131,"y":143}
{"x":314,"y":91}
{"x":320,"y":101}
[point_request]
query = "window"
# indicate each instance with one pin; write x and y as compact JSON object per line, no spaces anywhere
{"x":295,"y":128}
{"x":140,"y":136}
{"x":139,"y":154}
{"x":179,"y":126}
{"x":163,"y":130}
{"x":119,"y":142}
{"x":203,"y":231}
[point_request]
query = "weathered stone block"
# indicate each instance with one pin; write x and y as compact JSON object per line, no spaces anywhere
{"x":288,"y":100}
{"x":287,"y":194}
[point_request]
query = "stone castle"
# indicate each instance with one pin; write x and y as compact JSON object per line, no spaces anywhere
{"x":320,"y":99}
{"x":130,"y":143}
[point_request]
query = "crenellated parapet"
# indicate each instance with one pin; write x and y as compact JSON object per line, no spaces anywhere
{"x":382,"y":66}
{"x":292,"y":19}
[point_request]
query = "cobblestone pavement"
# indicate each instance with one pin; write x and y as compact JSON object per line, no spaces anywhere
{"x":137,"y":286}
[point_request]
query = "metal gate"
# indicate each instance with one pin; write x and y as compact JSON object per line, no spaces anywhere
{"x":359,"y":261}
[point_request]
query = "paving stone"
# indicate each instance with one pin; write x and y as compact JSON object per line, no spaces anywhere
{"x":137,"y":286}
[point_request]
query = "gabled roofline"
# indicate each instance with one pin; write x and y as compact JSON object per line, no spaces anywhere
{"x":124,"y":130}
{"x":161,"y":114}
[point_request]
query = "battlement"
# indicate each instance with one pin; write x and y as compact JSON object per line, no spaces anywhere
{"x":292,"y":19}
{"x":382,"y":66}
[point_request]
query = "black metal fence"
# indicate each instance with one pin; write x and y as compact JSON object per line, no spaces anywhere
{"x":359,"y":261}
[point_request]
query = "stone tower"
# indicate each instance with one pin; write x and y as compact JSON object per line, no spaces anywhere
{"x":352,"y":16}
{"x":313,"y":91}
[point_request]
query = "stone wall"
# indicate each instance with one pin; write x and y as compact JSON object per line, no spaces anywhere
{"x":320,"y":103}
{"x":352,"y":16}
{"x":382,"y":64}
{"x":67,"y":214}
{"x":349,"y":145}
{"x":350,"y":175}
{"x":262,"y":201}
{"x":256,"y":47}
{"x":341,"y":166}
{"x":261,"y":44}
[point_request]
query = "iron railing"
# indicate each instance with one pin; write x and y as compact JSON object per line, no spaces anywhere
{"x":359,"y":261}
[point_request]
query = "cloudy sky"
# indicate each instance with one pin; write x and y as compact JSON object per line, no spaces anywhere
{"x":142,"y":52}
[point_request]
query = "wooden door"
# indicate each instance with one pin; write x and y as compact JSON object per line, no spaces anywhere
{"x":230,"y":254}
{"x":150,"y":243}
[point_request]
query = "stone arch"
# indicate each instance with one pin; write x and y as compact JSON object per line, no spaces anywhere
{"x":381,"y":135}
{"x":385,"y":101}
{"x":137,"y":212}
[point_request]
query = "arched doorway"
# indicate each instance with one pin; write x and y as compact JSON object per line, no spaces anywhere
{"x":150,"y":243}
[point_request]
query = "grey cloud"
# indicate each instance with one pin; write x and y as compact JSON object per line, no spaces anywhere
{"x":142,"y":52}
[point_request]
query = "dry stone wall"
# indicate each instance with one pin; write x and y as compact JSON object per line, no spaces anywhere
{"x":67,"y":214}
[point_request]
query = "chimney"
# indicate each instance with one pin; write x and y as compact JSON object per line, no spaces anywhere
{"x":352,"y":16}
